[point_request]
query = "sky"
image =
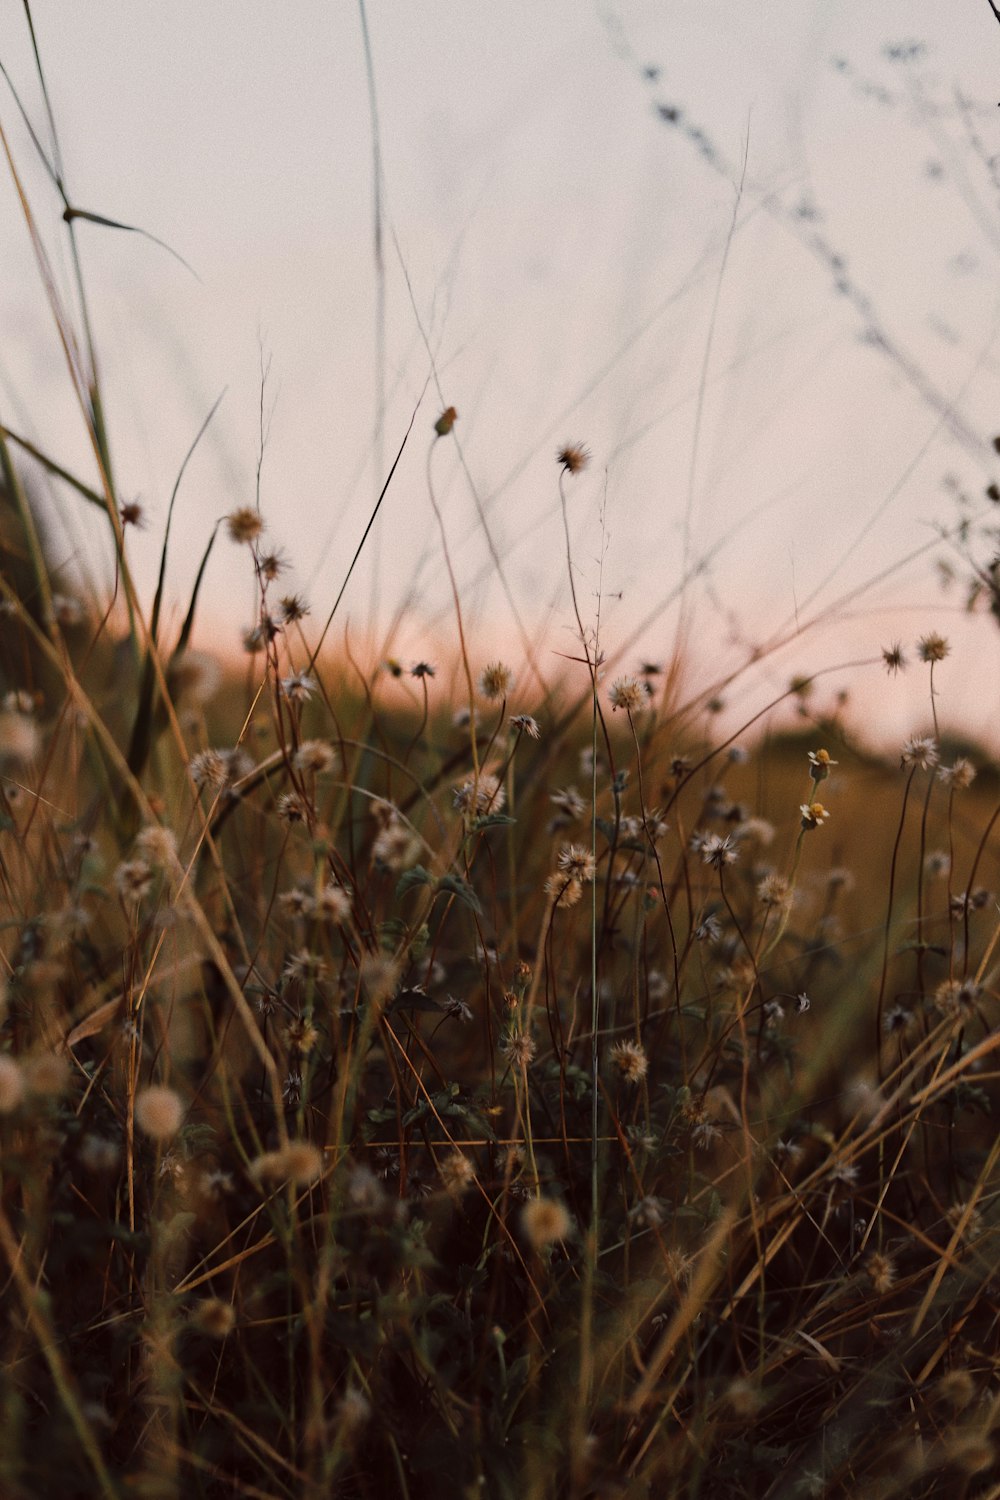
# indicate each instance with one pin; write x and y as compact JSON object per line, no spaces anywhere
{"x":747,"y":254}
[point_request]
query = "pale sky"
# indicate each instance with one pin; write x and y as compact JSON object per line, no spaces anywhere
{"x":579,"y":268}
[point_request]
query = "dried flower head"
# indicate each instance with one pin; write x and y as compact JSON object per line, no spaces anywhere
{"x":630,"y":694}
{"x":960,"y":775}
{"x":718,"y":852}
{"x":629,"y":1060}
{"x":299,"y":687}
{"x":545,"y":1221}
{"x":932,"y":648}
{"x":920,"y":751}
{"x":518,"y":1047}
{"x":315,"y":757}
{"x":457,"y":1173}
{"x":573,"y":457}
{"x":576,"y":861}
{"x":159,"y":1112}
{"x":300,"y":1163}
{"x":19,"y":738}
{"x":214,"y":1317}
{"x":495,"y":681}
{"x":893,"y":658}
{"x":244,"y":524}
{"x":480,"y":796}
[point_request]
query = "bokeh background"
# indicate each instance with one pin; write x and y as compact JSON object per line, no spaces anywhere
{"x":747,"y":254}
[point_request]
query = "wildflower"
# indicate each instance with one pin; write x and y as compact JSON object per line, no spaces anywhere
{"x":305,"y":966}
{"x":573,"y":457}
{"x":352,"y":1412}
{"x":244,"y":524}
{"x":214,"y":1317}
{"x":292,"y":608}
{"x":208,"y":768}
{"x":961,"y":775}
{"x":718,"y":852}
{"x":630,"y":1060}
{"x":157,"y":846}
{"x":458,"y":1010}
{"x":457,"y":1173}
{"x":569,"y":803}
{"x":786,"y":1152}
{"x":518,"y":1047}
{"x":563,"y":891}
{"x":802,"y":1003}
{"x":494,"y":682}
{"x":773,"y":1012}
{"x":299,"y":687}
{"x":648,"y":1213}
{"x":301,"y":1035}
{"x":333,"y":904}
{"x":379,"y":975}
{"x":19,"y":738}
{"x":300,"y":1163}
{"x":396,"y":847}
{"x":315,"y":757}
{"x":159,"y":1112}
{"x":920,"y":751}
{"x":545,"y":1221}
{"x":11,"y":1085}
{"x":705,"y":1134}
{"x":709,"y":929}
{"x":480,"y":796}
{"x":297,"y":902}
{"x":881,"y":1272}
{"x":814,"y":814}
{"x":957,"y":999}
{"x":630,"y":694}
{"x":896,"y":1020}
{"x":525,"y":724}
{"x":932,"y":648}
{"x":973,"y":1223}
{"x":820,"y":762}
{"x":576,"y":861}
{"x":292,"y":808}
{"x":893,"y":658}
{"x":422,"y":669}
{"x":271,"y":565}
{"x":758,"y":829}
{"x":446,"y":421}
{"x":133,"y":880}
{"x":133,"y":513}
{"x":773,"y":891}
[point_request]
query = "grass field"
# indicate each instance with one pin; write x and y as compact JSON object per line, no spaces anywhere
{"x":416,"y":1084}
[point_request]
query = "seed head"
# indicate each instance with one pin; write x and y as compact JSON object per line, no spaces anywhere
{"x":495,"y":681}
{"x":573,"y":457}
{"x":300,"y":1163}
{"x":214,"y":1317}
{"x":630,"y":694}
{"x":159,"y":1112}
{"x":893,"y":658}
{"x":576,"y":861}
{"x":932,"y":648}
{"x":920,"y":751}
{"x":630,"y":1061}
{"x":244,"y":524}
{"x":545,"y":1221}
{"x":525,"y":724}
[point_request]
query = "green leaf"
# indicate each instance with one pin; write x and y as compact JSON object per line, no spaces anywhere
{"x":462,"y":891}
{"x":412,"y":878}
